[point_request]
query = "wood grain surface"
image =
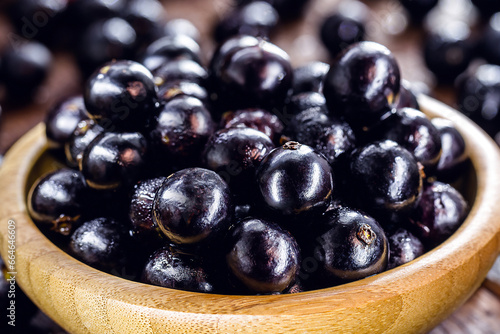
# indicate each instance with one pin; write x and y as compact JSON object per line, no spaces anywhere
{"x":481,"y":313}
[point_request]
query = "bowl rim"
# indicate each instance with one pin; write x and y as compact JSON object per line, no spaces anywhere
{"x":457,"y":267}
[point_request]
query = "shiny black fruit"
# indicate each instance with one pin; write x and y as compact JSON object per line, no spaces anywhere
{"x":235,"y":153}
{"x":385,"y":179}
{"x":121,"y":94}
{"x":182,"y":128}
{"x":440,"y":212}
{"x":362,"y":85}
{"x":262,"y":256}
{"x":147,"y":17}
{"x":193,"y":206}
{"x":140,"y":211}
{"x":182,"y":69}
{"x":253,"y":76}
{"x":175,"y":47}
{"x":293,"y":179}
{"x":412,"y":129}
{"x":345,"y":27}
{"x":350,"y":246}
{"x":309,"y":77}
{"x":63,"y":119}
{"x":258,"y":18}
{"x":84,"y":133}
{"x":170,"y":268}
{"x":407,"y":98}
{"x":170,"y":90}
{"x":58,"y":199}
{"x":101,"y":243}
{"x":404,"y":247}
{"x":453,"y":156}
{"x":114,"y":160}
{"x":307,"y":100}
{"x":257,"y":119}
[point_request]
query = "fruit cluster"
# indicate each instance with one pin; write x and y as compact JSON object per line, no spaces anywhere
{"x":248,"y":176}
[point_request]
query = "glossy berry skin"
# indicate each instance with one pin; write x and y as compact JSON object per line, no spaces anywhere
{"x":171,"y":268}
{"x":254,"y":76}
{"x":404,"y":247}
{"x":397,"y":186}
{"x":147,"y":17}
{"x":58,"y":199}
{"x":104,"y":41}
{"x":193,"y":206}
{"x":262,"y":256}
{"x":171,"y":90}
{"x":230,"y":46}
{"x":181,"y":27}
{"x":63,"y":119}
{"x":235,"y":153}
{"x":141,"y":209}
{"x":23,"y":69}
{"x":345,"y":27}
{"x":121,"y":94}
{"x":440,"y":212}
{"x":448,"y":51}
{"x":487,"y":7}
{"x":169,"y":48}
{"x":330,"y":137}
{"x":479,"y":97}
{"x":350,"y":246}
{"x":85,"y":132}
{"x":182,"y":128}
{"x":183,"y":69}
{"x":407,"y":98}
{"x":418,"y":9}
{"x":293,"y":179}
{"x":362,"y":84}
{"x":453,"y":156}
{"x":258,"y":18}
{"x":304,"y":101}
{"x":101,"y":243}
{"x":257,"y":119}
{"x":309,"y":77}
{"x":114,"y":160}
{"x":411,"y":129}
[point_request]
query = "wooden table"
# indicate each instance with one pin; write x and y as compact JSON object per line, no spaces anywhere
{"x":481,"y":313}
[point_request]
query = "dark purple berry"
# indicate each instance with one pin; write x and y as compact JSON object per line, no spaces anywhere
{"x":257,"y":119}
{"x":412,"y":129}
{"x":141,"y":209}
{"x":121,"y":94}
{"x":147,"y":17}
{"x":262,"y":256}
{"x":235,"y":153}
{"x":253,"y":76}
{"x":362,"y":85}
{"x":293,"y":180}
{"x":440,"y":212}
{"x":385,"y":179}
{"x":309,"y":77}
{"x":182,"y":128}
{"x":58,"y":199}
{"x":345,"y":27}
{"x":180,"y":70}
{"x":170,"y":268}
{"x":101,"y":243}
{"x":404,"y":247}
{"x":454,"y":155}
{"x":85,"y":132}
{"x":193,"y":206}
{"x":407,"y":98}
{"x":62,"y":120}
{"x":350,"y":246}
{"x":114,"y":160}
{"x":304,"y":101}
{"x":258,"y":18}
{"x":170,"y":48}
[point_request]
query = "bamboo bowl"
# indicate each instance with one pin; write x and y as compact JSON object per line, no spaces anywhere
{"x":411,"y":298}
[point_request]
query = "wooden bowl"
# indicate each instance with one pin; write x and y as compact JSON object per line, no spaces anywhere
{"x":411,"y":298}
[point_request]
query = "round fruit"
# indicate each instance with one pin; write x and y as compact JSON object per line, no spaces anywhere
{"x":262,"y":256}
{"x":257,"y":119}
{"x":404,"y":246}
